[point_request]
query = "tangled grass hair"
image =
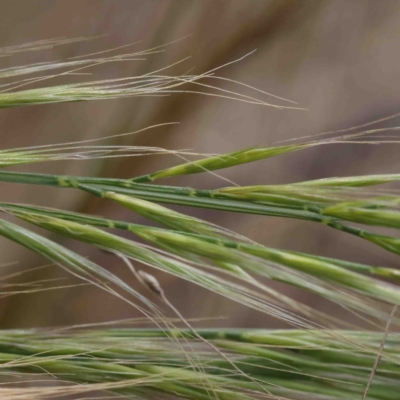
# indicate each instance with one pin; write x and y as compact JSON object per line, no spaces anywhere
{"x":319,"y":357}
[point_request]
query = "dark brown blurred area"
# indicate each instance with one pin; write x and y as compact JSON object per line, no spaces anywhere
{"x":338,"y":59}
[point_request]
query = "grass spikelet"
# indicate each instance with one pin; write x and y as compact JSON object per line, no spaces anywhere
{"x":219,"y":162}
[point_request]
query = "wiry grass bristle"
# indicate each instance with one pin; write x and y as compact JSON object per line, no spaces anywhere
{"x":321,"y":356}
{"x":13,"y":94}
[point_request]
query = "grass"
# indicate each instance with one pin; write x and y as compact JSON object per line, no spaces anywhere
{"x":320,"y":357}
{"x":282,"y":363}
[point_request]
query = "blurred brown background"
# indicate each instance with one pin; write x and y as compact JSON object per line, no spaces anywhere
{"x":339,"y":59}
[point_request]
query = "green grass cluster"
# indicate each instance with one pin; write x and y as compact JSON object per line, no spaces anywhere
{"x":320,"y":357}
